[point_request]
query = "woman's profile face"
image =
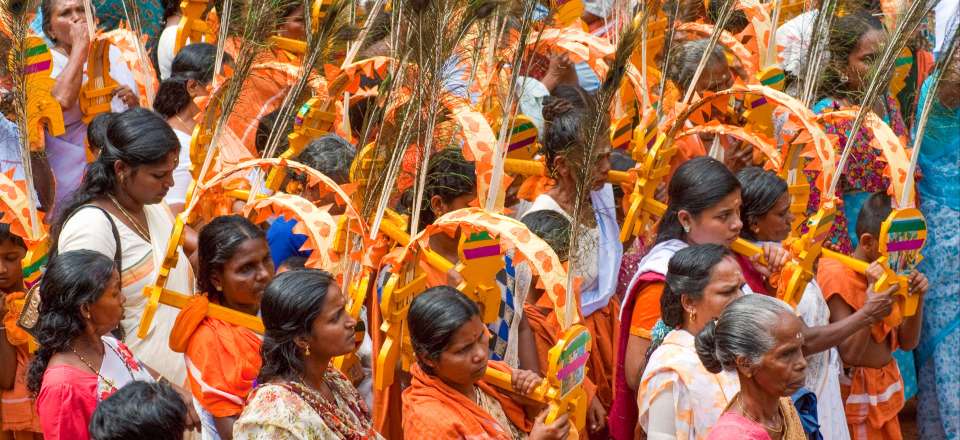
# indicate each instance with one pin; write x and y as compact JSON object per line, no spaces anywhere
{"x":245,"y":275}
{"x":782,"y":369}
{"x":64,"y":14}
{"x":774,"y":225}
{"x":726,"y":279}
{"x":148,"y":184}
{"x":464,"y":360}
{"x":718,"y":224}
{"x":332,"y":331}
{"x":863,"y":57}
{"x":107,"y":311}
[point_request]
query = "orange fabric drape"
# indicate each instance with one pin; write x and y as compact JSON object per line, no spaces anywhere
{"x":434,"y":410}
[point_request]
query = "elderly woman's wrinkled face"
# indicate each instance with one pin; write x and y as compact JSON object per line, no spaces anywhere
{"x":782,"y":369}
{"x":726,"y":279}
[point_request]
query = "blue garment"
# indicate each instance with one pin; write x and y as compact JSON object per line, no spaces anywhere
{"x":805,"y":401}
{"x":938,"y":400}
{"x":283,"y":242}
{"x":587,"y":78}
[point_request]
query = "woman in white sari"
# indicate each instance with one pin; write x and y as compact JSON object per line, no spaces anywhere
{"x":64,"y":23}
{"x":118,"y":211}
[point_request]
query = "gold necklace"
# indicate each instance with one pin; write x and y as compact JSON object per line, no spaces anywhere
{"x":778,"y":429}
{"x":136,"y":225}
{"x":94,"y":370}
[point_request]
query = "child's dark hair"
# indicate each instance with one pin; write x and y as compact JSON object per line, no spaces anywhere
{"x":553,"y":228}
{"x":449,"y":175}
{"x":140,"y":410}
{"x":72,"y":279}
{"x":97,"y":130}
{"x":434,"y":316}
{"x":218,"y":243}
{"x":193,"y":62}
{"x":873,"y":213}
{"x":6,"y":235}
{"x":697,"y":185}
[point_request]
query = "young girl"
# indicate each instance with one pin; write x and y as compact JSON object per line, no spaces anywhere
{"x":18,"y":415}
{"x":223,"y":359}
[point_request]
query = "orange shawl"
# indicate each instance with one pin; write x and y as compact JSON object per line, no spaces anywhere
{"x":17,"y":408}
{"x":222,"y":359}
{"x":434,"y":410}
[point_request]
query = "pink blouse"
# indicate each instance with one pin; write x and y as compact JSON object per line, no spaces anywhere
{"x":732,"y":426}
{"x":66,"y":402}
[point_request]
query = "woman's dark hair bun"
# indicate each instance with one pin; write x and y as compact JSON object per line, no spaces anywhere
{"x":554,"y":107}
{"x":706,"y":345}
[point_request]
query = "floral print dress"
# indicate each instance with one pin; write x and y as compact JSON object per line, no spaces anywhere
{"x":292,"y":410}
{"x":863,"y":174}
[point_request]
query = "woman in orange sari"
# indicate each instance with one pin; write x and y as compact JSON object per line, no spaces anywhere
{"x":448,"y":397}
{"x":222,"y":359}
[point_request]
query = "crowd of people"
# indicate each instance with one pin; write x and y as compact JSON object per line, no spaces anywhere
{"x":156,"y":285}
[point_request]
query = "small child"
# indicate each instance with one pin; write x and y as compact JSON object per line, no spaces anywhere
{"x":17,"y":410}
{"x":871,"y":385}
{"x":140,"y":410}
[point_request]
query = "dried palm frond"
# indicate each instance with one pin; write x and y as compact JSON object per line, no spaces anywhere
{"x":428,"y":34}
{"x":817,"y":51}
{"x":250,"y":27}
{"x":132,"y":10}
{"x":596,"y":125}
{"x":880,"y":74}
{"x":16,"y":29}
{"x":321,"y":42}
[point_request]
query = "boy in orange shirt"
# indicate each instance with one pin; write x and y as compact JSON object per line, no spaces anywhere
{"x":871,"y":385}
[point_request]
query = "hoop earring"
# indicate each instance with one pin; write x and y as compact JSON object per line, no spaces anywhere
{"x":693,"y":317}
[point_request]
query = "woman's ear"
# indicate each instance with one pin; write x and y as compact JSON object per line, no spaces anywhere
{"x":688,"y":304}
{"x":686,"y":219}
{"x":560,"y":166}
{"x":437,"y":206}
{"x":121,"y":170}
{"x":301,"y":342}
{"x":216,"y":281}
{"x":744,"y":366}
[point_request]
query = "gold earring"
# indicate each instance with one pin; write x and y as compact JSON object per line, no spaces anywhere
{"x":693,"y":316}
{"x":306,"y":352}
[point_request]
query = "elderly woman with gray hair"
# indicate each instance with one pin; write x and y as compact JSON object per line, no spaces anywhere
{"x":760,"y":338}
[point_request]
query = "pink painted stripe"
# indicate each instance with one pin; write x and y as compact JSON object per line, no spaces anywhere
{"x":908,"y":245}
{"x":480,"y":252}
{"x":573,"y":366}
{"x":36,"y":67}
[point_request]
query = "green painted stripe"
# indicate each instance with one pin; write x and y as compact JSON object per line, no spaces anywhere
{"x":773,"y":79}
{"x":478,"y":236}
{"x":903,"y":60}
{"x":578,"y":343}
{"x":27,"y":271}
{"x":523,"y":127}
{"x":36,"y":50}
{"x":908,"y":225}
